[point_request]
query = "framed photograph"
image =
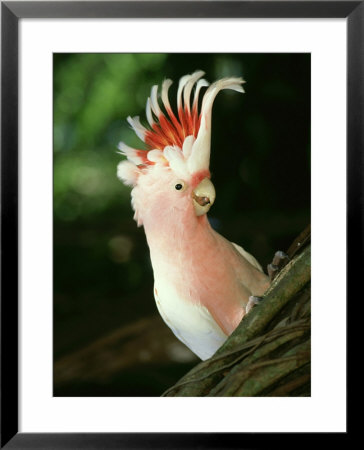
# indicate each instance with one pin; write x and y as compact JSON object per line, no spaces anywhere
{"x":85,"y":355}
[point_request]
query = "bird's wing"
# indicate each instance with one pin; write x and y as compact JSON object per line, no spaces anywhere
{"x":250,"y":258}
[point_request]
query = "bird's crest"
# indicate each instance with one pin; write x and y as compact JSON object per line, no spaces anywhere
{"x":182,"y":141}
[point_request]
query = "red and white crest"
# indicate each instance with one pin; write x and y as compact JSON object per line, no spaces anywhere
{"x":180,"y":141}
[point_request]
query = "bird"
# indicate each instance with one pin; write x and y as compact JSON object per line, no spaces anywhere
{"x":203,"y":283}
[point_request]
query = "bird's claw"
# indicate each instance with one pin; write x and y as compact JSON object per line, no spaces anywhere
{"x":272,"y":270}
{"x":274,"y":267}
{"x":279,"y":256}
{"x":253,"y":300}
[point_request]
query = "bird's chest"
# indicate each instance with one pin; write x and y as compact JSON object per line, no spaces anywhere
{"x":191,"y":277}
{"x":182,"y":287}
{"x":194,"y":284}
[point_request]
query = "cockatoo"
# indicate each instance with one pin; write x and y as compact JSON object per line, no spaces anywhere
{"x":203,"y":284}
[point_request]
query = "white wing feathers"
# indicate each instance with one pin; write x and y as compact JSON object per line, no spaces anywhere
{"x":248,"y":257}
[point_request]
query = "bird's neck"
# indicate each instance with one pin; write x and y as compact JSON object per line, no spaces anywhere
{"x":178,"y":240}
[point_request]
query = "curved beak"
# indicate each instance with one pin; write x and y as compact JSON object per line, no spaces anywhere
{"x":203,"y":196}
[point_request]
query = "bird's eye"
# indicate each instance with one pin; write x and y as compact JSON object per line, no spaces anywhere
{"x":180,"y":185}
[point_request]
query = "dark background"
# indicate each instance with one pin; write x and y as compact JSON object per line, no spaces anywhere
{"x":108,"y":339}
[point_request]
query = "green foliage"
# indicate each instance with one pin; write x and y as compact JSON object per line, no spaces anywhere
{"x":93,"y":95}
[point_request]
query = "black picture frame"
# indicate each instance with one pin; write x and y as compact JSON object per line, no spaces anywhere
{"x":11,"y":12}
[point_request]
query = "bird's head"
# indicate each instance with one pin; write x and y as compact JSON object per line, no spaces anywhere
{"x":173,"y":174}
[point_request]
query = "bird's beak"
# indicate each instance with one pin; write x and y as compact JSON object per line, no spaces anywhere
{"x":203,"y":196}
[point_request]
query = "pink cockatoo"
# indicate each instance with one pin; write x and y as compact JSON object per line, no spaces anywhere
{"x":203,"y":284}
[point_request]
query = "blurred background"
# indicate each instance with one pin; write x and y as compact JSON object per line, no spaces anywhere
{"x":108,"y":337}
